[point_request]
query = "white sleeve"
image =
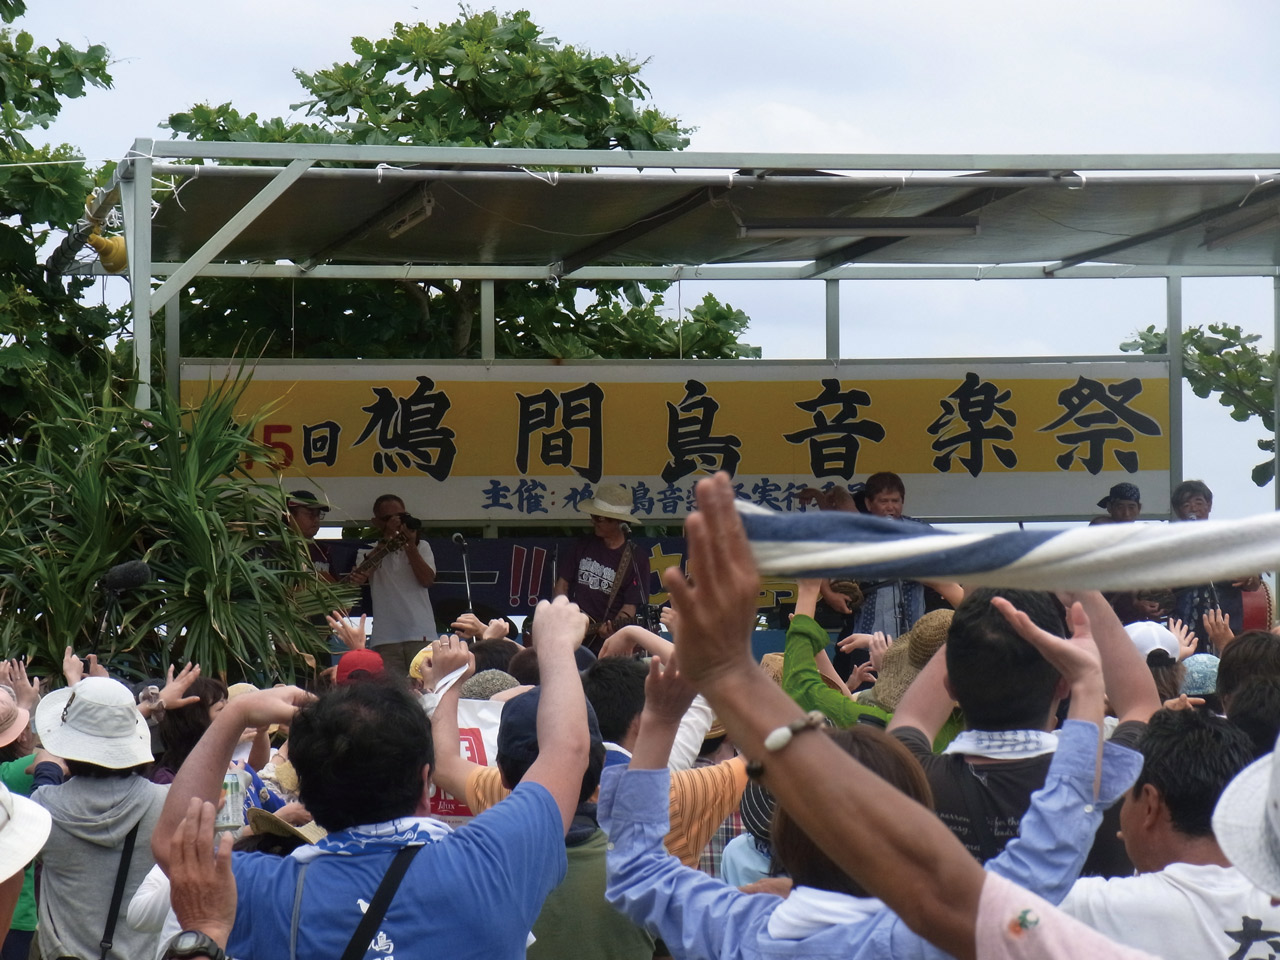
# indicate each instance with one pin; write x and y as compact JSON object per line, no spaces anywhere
{"x":424,"y":551}
{"x":693,"y":730}
{"x":149,"y":907}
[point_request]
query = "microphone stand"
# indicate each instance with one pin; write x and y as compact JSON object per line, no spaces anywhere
{"x":111,"y":604}
{"x":461,"y":541}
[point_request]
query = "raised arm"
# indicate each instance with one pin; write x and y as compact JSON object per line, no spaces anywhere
{"x":200,"y":775}
{"x":451,"y":769}
{"x":1130,"y":686}
{"x":563,"y":740}
{"x":935,"y":884}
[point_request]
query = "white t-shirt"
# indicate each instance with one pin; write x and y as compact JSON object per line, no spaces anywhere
{"x":401,"y":605}
{"x":1014,"y":924}
{"x":1185,"y":910}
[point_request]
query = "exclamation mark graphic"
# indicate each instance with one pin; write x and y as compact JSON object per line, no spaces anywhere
{"x":518,"y":554}
{"x":535,"y":575}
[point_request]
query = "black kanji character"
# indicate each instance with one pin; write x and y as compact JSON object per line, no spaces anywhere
{"x":975,"y":403}
{"x":579,"y":409}
{"x":1103,"y":414}
{"x":320,"y":443}
{"x":410,"y":432}
{"x":689,"y":438}
{"x":834,"y":440}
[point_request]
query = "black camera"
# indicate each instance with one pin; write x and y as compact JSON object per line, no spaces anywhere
{"x":410,"y":522}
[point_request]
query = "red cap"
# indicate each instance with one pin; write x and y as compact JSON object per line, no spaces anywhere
{"x":367,"y":660}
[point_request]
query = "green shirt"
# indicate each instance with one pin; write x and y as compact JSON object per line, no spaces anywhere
{"x":576,"y":920}
{"x":14,"y":776}
{"x":804,"y":684}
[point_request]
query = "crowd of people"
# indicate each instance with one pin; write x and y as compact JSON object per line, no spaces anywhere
{"x":1009,"y":773}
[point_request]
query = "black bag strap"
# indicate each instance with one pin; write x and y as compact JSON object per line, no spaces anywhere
{"x":117,"y":895}
{"x":359,"y":944}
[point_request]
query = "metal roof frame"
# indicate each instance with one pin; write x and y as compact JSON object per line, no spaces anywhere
{"x":666,"y":207}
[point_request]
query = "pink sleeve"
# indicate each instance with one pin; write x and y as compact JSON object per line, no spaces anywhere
{"x":1014,"y":924}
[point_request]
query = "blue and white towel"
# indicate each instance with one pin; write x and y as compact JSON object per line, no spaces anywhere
{"x":1113,"y":556}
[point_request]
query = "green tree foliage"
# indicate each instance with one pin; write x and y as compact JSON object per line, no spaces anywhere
{"x":41,"y":188}
{"x":1225,"y":360}
{"x":482,"y":80}
{"x":109,"y":483}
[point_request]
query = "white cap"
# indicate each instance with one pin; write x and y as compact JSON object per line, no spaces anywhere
{"x":1147,"y":636}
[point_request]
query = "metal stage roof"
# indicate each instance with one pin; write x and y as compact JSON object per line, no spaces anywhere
{"x":500,"y":213}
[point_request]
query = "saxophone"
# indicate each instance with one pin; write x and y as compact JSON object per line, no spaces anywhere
{"x":373,"y":559}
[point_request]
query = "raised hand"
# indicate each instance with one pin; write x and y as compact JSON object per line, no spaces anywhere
{"x":1187,"y":641}
{"x":202,"y":888}
{"x":1218,"y":626}
{"x":352,"y":635}
{"x":877,"y":648}
{"x":667,"y":695}
{"x":718,"y":615}
{"x":855,"y":641}
{"x":277,"y":705}
{"x":72,"y":667}
{"x":1075,"y":657}
{"x":559,"y":621}
{"x":450,"y":653}
{"x":862,"y":673}
{"x":174,"y":695}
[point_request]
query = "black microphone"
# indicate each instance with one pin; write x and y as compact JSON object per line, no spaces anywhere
{"x":126,"y":576}
{"x":460,"y":540}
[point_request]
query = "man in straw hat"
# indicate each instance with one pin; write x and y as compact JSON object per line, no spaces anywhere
{"x":604,"y":574}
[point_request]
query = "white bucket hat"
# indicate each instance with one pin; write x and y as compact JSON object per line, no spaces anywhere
{"x":24,"y":827}
{"x":1246,"y":823}
{"x":612,"y":500}
{"x":96,"y":721}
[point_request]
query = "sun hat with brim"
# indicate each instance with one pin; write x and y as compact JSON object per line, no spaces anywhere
{"x":263,"y":821}
{"x":13,"y":718}
{"x":24,"y":827}
{"x":1246,"y":823}
{"x":905,"y":658}
{"x":612,"y":500}
{"x":97,"y":722}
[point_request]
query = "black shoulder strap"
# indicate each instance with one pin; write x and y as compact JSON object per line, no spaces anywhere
{"x":117,"y":895}
{"x":359,"y":944}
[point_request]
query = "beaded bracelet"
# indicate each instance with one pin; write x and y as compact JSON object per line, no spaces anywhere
{"x":780,"y":737}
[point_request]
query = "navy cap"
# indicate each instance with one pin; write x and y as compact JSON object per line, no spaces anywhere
{"x":518,"y":728}
{"x":1121,"y":491}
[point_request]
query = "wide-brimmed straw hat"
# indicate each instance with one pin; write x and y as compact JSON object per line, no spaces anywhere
{"x":13,"y":718}
{"x":24,"y":827}
{"x":263,"y":821}
{"x":1246,"y":823}
{"x":612,"y":500}
{"x":96,"y":721}
{"x":906,"y":657}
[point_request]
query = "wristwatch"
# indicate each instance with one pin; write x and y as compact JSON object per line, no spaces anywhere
{"x":190,"y":944}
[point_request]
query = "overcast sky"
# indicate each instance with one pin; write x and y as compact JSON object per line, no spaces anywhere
{"x":929,"y":77}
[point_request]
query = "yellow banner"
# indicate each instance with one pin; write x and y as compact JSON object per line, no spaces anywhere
{"x":464,"y":429}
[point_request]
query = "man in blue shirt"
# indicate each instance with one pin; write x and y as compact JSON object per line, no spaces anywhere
{"x":363,"y":757}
